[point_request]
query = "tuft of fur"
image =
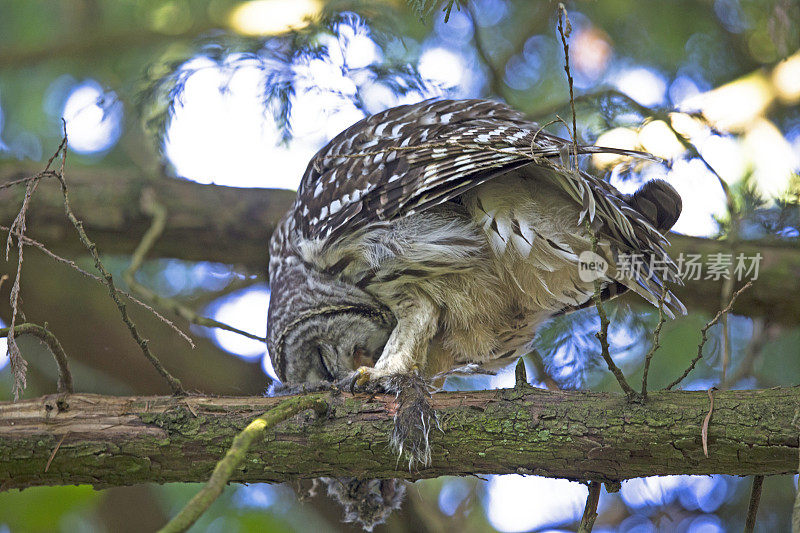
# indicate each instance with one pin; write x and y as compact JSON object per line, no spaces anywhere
{"x":367,"y":502}
{"x":413,"y":419}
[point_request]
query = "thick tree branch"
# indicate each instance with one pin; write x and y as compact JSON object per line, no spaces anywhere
{"x":233,"y":225}
{"x":110,"y":441}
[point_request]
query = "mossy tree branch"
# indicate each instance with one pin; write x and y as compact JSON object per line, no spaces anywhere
{"x":111,"y":441}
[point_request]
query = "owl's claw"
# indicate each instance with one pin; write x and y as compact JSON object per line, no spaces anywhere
{"x":360,"y":377}
{"x":363,"y":375}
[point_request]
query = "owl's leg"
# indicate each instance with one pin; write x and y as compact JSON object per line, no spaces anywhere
{"x":407,"y":348}
{"x":399,"y":371}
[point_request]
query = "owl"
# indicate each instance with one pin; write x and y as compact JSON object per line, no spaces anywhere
{"x":436,"y":235}
{"x":439,"y":235}
{"x":442,"y":233}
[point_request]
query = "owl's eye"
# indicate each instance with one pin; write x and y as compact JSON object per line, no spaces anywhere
{"x":324,"y":371}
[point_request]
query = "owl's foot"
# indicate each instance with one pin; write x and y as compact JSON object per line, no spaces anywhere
{"x":366,"y":378}
{"x":360,"y":378}
{"x":413,"y":414}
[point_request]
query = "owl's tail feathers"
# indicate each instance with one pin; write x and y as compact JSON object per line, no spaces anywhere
{"x":658,"y":202}
{"x":366,"y":502}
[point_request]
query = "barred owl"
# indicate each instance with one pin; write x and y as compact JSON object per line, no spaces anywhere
{"x":438,"y":234}
{"x":441,"y":233}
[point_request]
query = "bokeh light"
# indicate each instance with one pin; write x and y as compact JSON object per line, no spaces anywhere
{"x":644,"y":85}
{"x":223,"y":130}
{"x":270,"y":17}
{"x":442,"y":66}
{"x":703,"y":493}
{"x":452,"y":495}
{"x":220,"y":132}
{"x":520,"y":503}
{"x":93,"y":118}
{"x":245,"y":310}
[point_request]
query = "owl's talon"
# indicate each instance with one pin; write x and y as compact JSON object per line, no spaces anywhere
{"x":360,"y":377}
{"x":363,"y":376}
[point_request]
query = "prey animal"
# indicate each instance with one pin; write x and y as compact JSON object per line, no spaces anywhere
{"x":440,"y":234}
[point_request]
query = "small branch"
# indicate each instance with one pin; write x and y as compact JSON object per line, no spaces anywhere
{"x":108,"y":280}
{"x":564,"y":33}
{"x":236,"y":454}
{"x":18,"y":364}
{"x":50,"y":340}
{"x":55,"y":451}
{"x":656,"y":340}
{"x":763,"y":332}
{"x":752,"y":509}
{"x":158,"y":212}
{"x":602,"y":335}
{"x":590,"y":511}
{"x":27,"y":180}
{"x":36,"y":244}
{"x":704,"y":335}
{"x":520,"y":375}
{"x":159,"y":222}
{"x":727,"y":291}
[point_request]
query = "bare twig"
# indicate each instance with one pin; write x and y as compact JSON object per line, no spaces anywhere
{"x":18,"y":226}
{"x":108,"y":280}
{"x":236,"y":454}
{"x":152,"y":207}
{"x":149,"y":238}
{"x":704,"y":335}
{"x":36,"y":244}
{"x":706,"y":420}
{"x":752,"y":509}
{"x":19,"y":366}
{"x":50,"y":340}
{"x":565,"y":32}
{"x":55,"y":450}
{"x":590,"y":511}
{"x":602,"y":335}
{"x":727,"y":291}
{"x":656,"y":340}
{"x":27,"y":179}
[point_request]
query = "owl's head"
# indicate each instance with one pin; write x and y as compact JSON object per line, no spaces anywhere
{"x":320,"y":328}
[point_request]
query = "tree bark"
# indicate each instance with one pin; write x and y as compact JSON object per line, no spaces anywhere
{"x":233,"y":225}
{"x":111,"y":441}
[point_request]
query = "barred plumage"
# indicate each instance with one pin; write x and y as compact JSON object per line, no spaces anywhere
{"x":461,"y":215}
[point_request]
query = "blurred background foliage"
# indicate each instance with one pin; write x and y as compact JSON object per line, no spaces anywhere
{"x":243,"y":93}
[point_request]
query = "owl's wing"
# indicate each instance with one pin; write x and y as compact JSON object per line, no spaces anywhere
{"x":410,"y":158}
